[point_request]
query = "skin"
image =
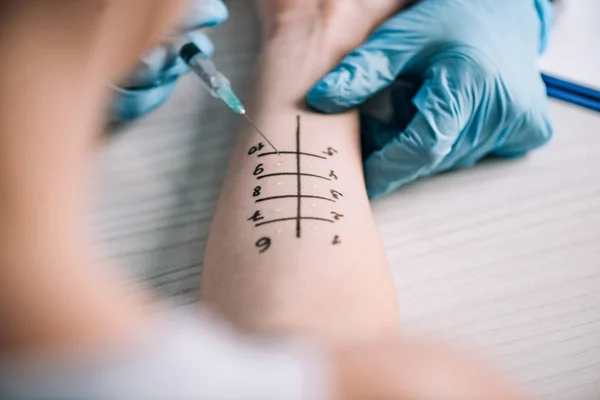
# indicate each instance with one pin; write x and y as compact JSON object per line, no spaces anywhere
{"x":54,"y":298}
{"x":279,"y":290}
{"x":53,"y":295}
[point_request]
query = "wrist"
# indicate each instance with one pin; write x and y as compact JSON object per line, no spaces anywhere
{"x":292,"y":60}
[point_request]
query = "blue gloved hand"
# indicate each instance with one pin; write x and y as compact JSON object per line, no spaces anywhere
{"x":155,"y":78}
{"x":476,"y":89}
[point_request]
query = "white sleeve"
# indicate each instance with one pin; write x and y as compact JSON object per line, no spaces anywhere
{"x":182,"y":358}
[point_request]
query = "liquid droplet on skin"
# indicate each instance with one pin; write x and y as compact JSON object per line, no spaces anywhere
{"x":277,"y":209}
{"x":314,"y":186}
{"x":279,"y":164}
{"x":310,"y":166}
{"x":279,"y":183}
{"x":314,"y":204}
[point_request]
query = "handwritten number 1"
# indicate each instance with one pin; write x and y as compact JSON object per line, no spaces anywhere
{"x":256,"y":148}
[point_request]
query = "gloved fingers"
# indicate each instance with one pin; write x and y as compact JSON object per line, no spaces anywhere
{"x":444,"y":104}
{"x":129,"y":104}
{"x":413,"y":153}
{"x":380,"y":121}
{"x":375,"y":134}
{"x":163,"y":64}
{"x":389,"y":52}
{"x":532,"y":126}
{"x":203,"y":14}
{"x":545,"y":11}
{"x":531,"y":131}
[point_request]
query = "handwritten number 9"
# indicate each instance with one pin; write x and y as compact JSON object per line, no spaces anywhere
{"x":263,"y":244}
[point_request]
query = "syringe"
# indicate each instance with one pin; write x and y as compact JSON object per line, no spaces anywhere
{"x":217,"y":84}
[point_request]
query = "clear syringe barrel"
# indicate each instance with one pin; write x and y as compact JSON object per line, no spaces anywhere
{"x":217,"y":84}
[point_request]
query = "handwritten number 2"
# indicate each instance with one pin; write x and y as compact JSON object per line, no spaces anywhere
{"x":263,"y":244}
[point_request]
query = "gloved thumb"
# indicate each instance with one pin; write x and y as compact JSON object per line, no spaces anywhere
{"x":374,"y":65}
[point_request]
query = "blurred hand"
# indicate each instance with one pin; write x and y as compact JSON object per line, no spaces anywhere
{"x":156,"y":74}
{"x":104,"y":36}
{"x":474,"y":86}
{"x":405,"y":369}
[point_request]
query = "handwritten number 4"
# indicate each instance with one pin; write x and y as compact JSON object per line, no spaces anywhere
{"x":257,"y":216}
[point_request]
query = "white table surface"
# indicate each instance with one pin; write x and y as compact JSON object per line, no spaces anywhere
{"x":574,"y":51}
{"x":503,"y":258}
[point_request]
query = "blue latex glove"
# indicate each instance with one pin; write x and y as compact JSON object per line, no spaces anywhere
{"x":475,"y":87}
{"x":155,"y":77}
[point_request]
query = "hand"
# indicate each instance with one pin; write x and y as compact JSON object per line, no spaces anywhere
{"x":474,"y":85}
{"x":315,"y":34}
{"x":154,"y":78}
{"x":404,"y":368}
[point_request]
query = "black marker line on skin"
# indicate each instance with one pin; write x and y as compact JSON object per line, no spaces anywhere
{"x":292,"y":152}
{"x":292,"y":174}
{"x":299,"y":180}
{"x":293,"y":196}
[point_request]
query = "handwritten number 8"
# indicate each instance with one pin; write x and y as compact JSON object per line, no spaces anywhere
{"x":263,"y":244}
{"x":256,"y":192}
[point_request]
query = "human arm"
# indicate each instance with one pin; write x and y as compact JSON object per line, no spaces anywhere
{"x":326,"y":253}
{"x":473,"y":89}
{"x":288,"y":291}
{"x":58,"y":57}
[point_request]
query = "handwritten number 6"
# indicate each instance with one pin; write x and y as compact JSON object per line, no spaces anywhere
{"x":259,"y":170}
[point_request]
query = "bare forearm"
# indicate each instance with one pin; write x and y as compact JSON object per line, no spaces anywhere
{"x":51,"y":293}
{"x":293,"y":245}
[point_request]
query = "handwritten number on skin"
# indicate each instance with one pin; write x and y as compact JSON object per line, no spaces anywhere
{"x":263,"y":244}
{"x":256,"y":148}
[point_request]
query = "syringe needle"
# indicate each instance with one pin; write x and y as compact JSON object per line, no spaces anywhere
{"x":261,"y":134}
